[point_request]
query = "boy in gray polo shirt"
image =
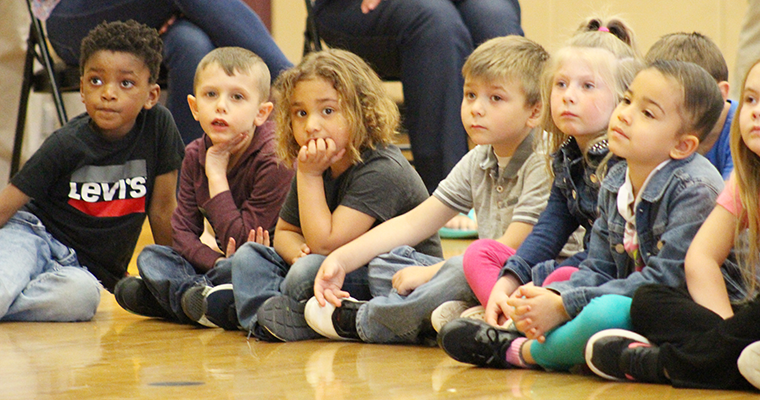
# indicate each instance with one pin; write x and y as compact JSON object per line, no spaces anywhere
{"x":502,"y":179}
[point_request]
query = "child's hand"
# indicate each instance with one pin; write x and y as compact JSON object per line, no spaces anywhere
{"x":328,"y":283}
{"x":218,"y":155}
{"x":317,"y":155}
{"x":305,"y":251}
{"x":410,"y":278}
{"x":497,"y":309}
{"x":258,"y":235}
{"x":537,"y":311}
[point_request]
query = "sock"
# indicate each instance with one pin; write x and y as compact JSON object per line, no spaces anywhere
{"x":514,"y":355}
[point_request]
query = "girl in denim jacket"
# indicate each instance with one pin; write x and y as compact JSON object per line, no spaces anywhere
{"x":700,"y":331}
{"x":577,"y":151}
{"x":650,"y":208}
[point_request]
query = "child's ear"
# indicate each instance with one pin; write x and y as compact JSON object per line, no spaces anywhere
{"x":193,"y":106}
{"x":535,"y":116}
{"x":724,"y":89}
{"x":687,"y":144}
{"x":153,"y":95}
{"x":264,"y":110}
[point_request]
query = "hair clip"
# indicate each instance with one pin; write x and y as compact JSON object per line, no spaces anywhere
{"x":603,"y":29}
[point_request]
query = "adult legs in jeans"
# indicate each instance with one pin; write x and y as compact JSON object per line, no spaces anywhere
{"x":41,"y":279}
{"x":424,"y":43}
{"x":393,"y":318}
{"x":168,"y":276}
{"x":219,"y":23}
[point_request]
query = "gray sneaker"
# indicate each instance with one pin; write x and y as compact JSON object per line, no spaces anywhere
{"x":283,"y":318}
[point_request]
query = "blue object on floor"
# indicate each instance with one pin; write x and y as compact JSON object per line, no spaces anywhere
{"x":448,"y":233}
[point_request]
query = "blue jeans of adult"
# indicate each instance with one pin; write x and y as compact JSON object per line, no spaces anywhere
{"x":41,"y":278}
{"x":203,"y":26}
{"x":259,"y":273}
{"x":168,"y":275}
{"x":392,"y":318}
{"x":423,"y":43}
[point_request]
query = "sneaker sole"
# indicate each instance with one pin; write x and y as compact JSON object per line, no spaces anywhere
{"x":589,"y":351}
{"x":284,"y":319}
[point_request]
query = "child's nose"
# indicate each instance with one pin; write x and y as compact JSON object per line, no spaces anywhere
{"x":312,"y":124}
{"x":221,"y":104}
{"x":108,"y":92}
{"x":477,"y":107}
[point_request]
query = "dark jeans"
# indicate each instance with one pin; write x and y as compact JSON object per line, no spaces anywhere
{"x":698,"y":348}
{"x":423,"y":43}
{"x":168,"y":275}
{"x":204,"y":26}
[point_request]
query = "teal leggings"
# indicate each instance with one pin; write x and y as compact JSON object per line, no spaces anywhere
{"x":564,"y":346}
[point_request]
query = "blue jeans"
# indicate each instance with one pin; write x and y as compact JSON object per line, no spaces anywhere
{"x":423,"y":43}
{"x":204,"y":26}
{"x":168,"y":276}
{"x":259,"y":273}
{"x":392,"y":318}
{"x":41,"y":278}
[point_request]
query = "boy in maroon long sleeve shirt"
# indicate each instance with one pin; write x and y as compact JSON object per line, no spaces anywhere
{"x":230,"y":176}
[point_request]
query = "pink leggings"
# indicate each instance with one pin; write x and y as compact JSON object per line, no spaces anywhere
{"x":483,"y":261}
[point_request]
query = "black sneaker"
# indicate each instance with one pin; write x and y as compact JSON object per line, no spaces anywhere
{"x":282,"y":317}
{"x":621,"y":355}
{"x":133,"y":296}
{"x":476,"y":342}
{"x":213,"y":307}
{"x":331,"y":322}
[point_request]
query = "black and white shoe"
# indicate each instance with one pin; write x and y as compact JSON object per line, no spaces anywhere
{"x":282,"y":317}
{"x":211,"y":306}
{"x":334,"y":323}
{"x":476,"y":342}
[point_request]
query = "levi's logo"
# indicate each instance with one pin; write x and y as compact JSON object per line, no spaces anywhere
{"x":109,"y":191}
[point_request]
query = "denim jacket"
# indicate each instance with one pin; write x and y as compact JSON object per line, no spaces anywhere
{"x":673,"y":206}
{"x":572,"y":203}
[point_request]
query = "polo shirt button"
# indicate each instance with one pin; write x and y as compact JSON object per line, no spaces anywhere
{"x":593,"y":178}
{"x":575,"y":195}
{"x":660,"y":245}
{"x":620,"y":248}
{"x":499,"y":188}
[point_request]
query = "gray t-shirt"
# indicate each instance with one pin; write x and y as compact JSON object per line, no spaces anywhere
{"x":516,"y":193}
{"x":383,"y":185}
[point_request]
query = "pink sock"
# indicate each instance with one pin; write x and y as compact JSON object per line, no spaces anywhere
{"x":482,"y":262}
{"x":514,"y":355}
{"x":560,"y":274}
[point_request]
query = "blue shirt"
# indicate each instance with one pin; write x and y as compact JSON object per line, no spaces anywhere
{"x":720,"y":154}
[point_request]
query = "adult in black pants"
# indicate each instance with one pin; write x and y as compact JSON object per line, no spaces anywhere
{"x":423,"y":43}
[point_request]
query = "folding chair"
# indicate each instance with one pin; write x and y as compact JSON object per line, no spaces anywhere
{"x":52,"y":78}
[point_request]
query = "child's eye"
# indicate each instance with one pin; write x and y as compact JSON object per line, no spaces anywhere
{"x":299,"y":113}
{"x":588,"y":85}
{"x":469,"y":95}
{"x":560,"y":84}
{"x":496,"y":98}
{"x":238,"y":97}
{"x":328,"y":111}
{"x":210,"y":94}
{"x":127,"y":84}
{"x":648,"y":114}
{"x":626,"y":100}
{"x":750,"y":99}
{"x":95,"y":81}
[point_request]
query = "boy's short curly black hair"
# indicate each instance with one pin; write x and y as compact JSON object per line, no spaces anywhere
{"x":128,"y":37}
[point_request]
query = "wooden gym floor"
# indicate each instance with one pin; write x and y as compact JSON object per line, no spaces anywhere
{"x":119,"y":355}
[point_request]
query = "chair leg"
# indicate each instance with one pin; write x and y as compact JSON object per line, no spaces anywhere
{"x":26,"y":87}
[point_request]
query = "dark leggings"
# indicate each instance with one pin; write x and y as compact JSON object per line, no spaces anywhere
{"x":698,"y":348}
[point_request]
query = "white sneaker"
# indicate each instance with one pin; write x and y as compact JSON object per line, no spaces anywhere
{"x":334,"y":323}
{"x":454,"y":309}
{"x":749,"y":364}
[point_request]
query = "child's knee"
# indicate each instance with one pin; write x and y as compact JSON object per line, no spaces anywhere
{"x":606,"y":312}
{"x":78,"y":294}
{"x":482,"y":254}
